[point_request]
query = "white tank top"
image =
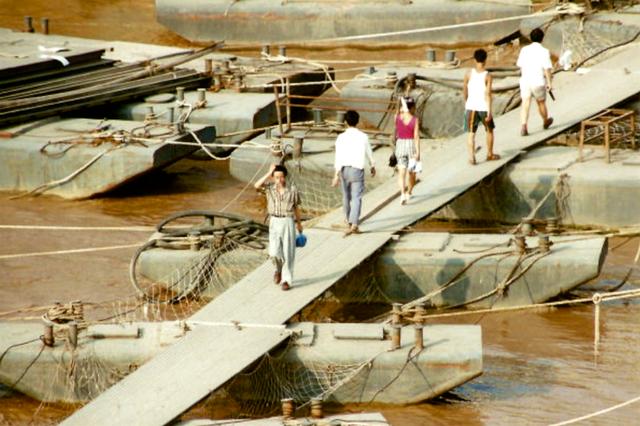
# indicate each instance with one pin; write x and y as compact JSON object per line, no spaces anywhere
{"x":476,"y":89}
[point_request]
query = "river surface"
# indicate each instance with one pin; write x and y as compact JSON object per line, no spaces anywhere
{"x":539,"y":367}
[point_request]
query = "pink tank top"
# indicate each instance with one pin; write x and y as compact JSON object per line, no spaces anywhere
{"x":405,"y":131}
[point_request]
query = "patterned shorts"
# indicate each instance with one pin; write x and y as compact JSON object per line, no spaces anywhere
{"x":473,"y":118}
{"x":405,"y":149}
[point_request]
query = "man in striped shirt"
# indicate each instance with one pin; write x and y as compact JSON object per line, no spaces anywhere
{"x":283,"y":206}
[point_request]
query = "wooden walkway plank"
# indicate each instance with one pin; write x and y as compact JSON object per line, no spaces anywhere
{"x":330,"y":256}
{"x":179,"y":377}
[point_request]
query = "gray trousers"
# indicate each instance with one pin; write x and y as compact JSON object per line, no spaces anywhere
{"x":352,"y":190}
{"x":282,"y":245}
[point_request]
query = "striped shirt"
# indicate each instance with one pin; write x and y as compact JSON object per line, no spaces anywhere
{"x":282,"y":204}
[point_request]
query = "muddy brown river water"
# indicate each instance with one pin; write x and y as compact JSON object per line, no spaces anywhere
{"x":540,"y":367}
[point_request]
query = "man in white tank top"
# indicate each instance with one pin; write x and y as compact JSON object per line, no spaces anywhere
{"x":478,"y":103}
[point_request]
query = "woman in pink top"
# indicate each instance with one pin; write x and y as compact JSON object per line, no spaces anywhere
{"x":407,"y":146}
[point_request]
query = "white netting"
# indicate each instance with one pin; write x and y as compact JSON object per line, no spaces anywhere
{"x":259,"y":392}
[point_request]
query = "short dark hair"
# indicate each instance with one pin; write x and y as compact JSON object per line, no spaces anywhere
{"x":536,"y":35}
{"x":352,"y":118}
{"x":280,"y":168}
{"x":480,"y":56}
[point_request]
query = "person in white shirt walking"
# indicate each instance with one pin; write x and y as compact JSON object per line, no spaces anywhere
{"x":478,"y":103}
{"x":535,"y":80}
{"x":353,"y":151}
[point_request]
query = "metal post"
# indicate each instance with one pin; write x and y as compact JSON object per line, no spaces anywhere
{"x":288,"y":93}
{"x":391,"y":79}
{"x":278,"y":112}
{"x":171,"y":114}
{"x":208,"y":66}
{"x":288,"y":407}
{"x":266,"y":50}
{"x":372,"y":70}
{"x":180,"y":93}
{"x":47,"y":337}
{"x":317,"y":117}
{"x":44,"y":22}
{"x":544,"y":244}
{"x":298,"y":141}
{"x":396,"y":331}
{"x":396,"y":313}
{"x":202,"y":96}
{"x":316,"y":408}
{"x":521,"y":244}
{"x":419,"y":336}
{"x":340,"y":117}
{"x":282,"y":50}
{"x":193,"y":238}
{"x":73,"y":334}
{"x":28,"y":23}
{"x":597,"y":298}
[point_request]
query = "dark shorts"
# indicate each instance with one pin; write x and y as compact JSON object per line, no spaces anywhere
{"x":473,"y":118}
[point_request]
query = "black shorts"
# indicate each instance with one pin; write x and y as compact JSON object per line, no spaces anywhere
{"x":473,"y":118}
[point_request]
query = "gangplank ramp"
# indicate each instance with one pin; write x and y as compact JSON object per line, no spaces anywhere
{"x":328,"y":256}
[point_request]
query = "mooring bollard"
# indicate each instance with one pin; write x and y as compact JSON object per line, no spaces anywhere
{"x":202,"y":96}
{"x":171,"y":113}
{"x":316,"y":408}
{"x":544,"y":243}
{"x":149,"y":115}
{"x":208,"y":66}
{"x":44,"y":22}
{"x":193,"y":238}
{"x":391,"y":79}
{"x":521,"y":244}
{"x":372,"y":70}
{"x":72,"y":333}
{"x":266,"y":50}
{"x":431,"y":55}
{"x":396,"y":336}
{"x":418,"y":317}
{"x":288,"y":407}
{"x":47,"y":337}
{"x":396,"y":313}
{"x":298,"y":142}
{"x":526,"y":228}
{"x":28,"y":23}
{"x":180,"y":93}
{"x":318,"y":119}
{"x":282,"y":50}
{"x":552,"y":225}
{"x":419,"y":335}
{"x":340,"y":117}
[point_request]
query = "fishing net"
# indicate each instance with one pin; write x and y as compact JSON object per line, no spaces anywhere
{"x":259,"y":391}
{"x":586,"y":39}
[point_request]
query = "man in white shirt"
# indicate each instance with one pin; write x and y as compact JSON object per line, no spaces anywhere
{"x":535,"y":80}
{"x":353,"y":151}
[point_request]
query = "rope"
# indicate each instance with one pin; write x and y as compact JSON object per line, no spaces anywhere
{"x":565,"y":9}
{"x":72,"y":251}
{"x":47,"y":186}
{"x":598,"y":413}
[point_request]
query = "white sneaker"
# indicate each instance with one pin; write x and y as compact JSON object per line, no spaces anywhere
{"x":408,"y":197}
{"x":403,"y":199}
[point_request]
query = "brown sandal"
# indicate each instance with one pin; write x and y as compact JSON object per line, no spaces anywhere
{"x":277,"y":277}
{"x":285,"y":286}
{"x":472,"y":162}
{"x":493,"y":157}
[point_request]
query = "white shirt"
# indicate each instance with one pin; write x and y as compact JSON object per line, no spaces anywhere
{"x":353,"y":149}
{"x":476,"y":91}
{"x":533,"y":60}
